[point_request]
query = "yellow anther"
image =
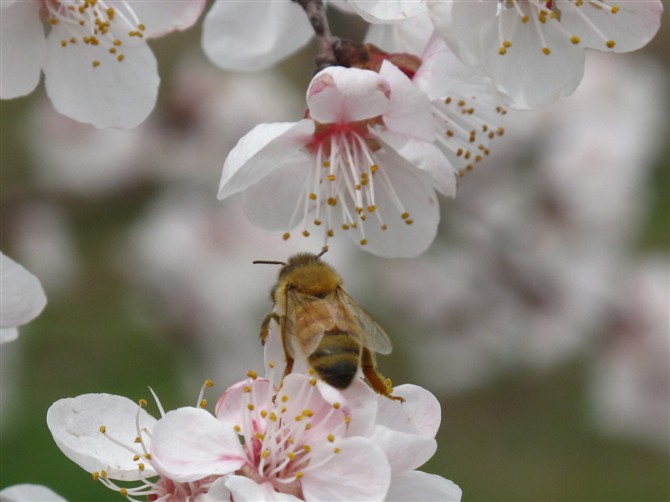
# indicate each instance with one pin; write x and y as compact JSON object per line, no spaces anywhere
{"x":291,"y":455}
{"x":615,"y":9}
{"x":305,"y":233}
{"x":284,"y":398}
{"x":103,"y":429}
{"x":286,"y":236}
{"x":384,"y":226}
{"x":265,"y":454}
{"x":345,"y":226}
{"x":120,"y":57}
{"x":372,"y":208}
{"x":136,"y":458}
{"x":575,"y":39}
{"x":317,"y":222}
{"x":148,"y":456}
{"x":363,"y":242}
{"x":138,"y":439}
{"x":307,"y":413}
{"x":203,"y":403}
{"x":95,"y":63}
{"x":373,"y":168}
{"x":142,"y":403}
{"x":123,"y":492}
{"x":140,"y":466}
{"x":117,"y":42}
{"x":299,"y":474}
{"x":331,"y":438}
{"x":312,"y":381}
{"x":331,"y":177}
{"x":331,"y":201}
{"x":307,"y":448}
{"x":336,"y":450}
{"x":524,"y":19}
{"x":330,"y":232}
{"x":409,"y":221}
{"x":337,"y":405}
{"x":95,"y":475}
{"x":546,"y":51}
{"x":326,"y":163}
{"x":237,"y":428}
{"x":63,"y":43}
{"x":250,"y":407}
{"x":610,"y":44}
{"x":312,"y":196}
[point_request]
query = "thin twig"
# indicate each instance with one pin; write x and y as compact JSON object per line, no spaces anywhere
{"x":316,"y":13}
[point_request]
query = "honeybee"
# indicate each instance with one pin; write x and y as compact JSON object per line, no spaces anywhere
{"x":321,"y":323}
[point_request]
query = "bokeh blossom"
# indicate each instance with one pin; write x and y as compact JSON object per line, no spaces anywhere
{"x":21,"y":298}
{"x":533,"y":50}
{"x":97,"y":64}
{"x":363,"y":162}
{"x":27,"y":492}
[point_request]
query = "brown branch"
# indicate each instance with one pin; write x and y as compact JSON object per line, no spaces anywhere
{"x":316,"y":13}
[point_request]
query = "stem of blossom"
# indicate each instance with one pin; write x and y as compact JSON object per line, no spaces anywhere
{"x":316,"y":13}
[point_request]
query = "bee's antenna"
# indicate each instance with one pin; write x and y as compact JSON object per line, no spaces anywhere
{"x":266,"y":262}
{"x":323,"y":251}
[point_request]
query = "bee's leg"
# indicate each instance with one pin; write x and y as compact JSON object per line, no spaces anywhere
{"x":265,"y":326}
{"x":380,"y":384}
{"x":289,"y":365}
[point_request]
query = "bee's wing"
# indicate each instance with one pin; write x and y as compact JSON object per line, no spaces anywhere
{"x":366,"y":331}
{"x":306,"y":320}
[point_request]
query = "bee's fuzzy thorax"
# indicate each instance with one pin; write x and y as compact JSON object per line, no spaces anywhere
{"x":309,"y":275}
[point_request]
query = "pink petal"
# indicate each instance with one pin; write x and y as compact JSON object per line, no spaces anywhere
{"x":23,"y":49}
{"x":403,"y":451}
{"x":419,"y":414}
{"x":114,"y":94}
{"x":358,"y":472}
{"x":339,"y":95}
{"x":245,"y":35}
{"x":189,"y":444}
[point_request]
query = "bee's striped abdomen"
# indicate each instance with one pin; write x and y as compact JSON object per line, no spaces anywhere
{"x":336,"y":359}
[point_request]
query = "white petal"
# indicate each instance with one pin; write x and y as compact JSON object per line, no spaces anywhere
{"x":631,"y":28}
{"x":403,"y":451}
{"x":410,"y":36}
{"x":114,"y":94}
{"x":422,"y":486}
{"x":415,"y":190}
{"x":8,"y":334}
{"x":422,"y":155}
{"x":260,"y":152}
{"x":383,"y":11}
{"x":271,"y":203}
{"x":217,"y":491}
{"x":419,"y":414}
{"x":358,"y":472}
{"x":21,"y":295}
{"x":338,"y":95}
{"x":189,"y":444}
{"x":23,"y":49}
{"x":29,"y":493}
{"x":244,"y":489}
{"x":409,"y":113}
{"x":525,"y":75}
{"x":163,"y":17}
{"x":75,"y":425}
{"x":253,"y":35}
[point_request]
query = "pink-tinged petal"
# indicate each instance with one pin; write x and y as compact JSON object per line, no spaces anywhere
{"x":525,"y":75}
{"x":409,"y":113}
{"x":75,"y":426}
{"x":231,"y":407}
{"x":422,"y":155}
{"x":244,"y":489}
{"x":160,"y":18}
{"x":361,"y":402}
{"x":217,"y":491}
{"x":259,"y":152}
{"x":21,"y":295}
{"x":338,"y":95}
{"x":189,"y":444}
{"x":114,"y":93}
{"x":23,"y":49}
{"x":419,"y":414}
{"x":630,"y":27}
{"x":403,"y":451}
{"x":29,"y":493}
{"x":383,"y":11}
{"x":245,"y":35}
{"x":414,"y":189}
{"x":422,"y":486}
{"x":358,"y":472}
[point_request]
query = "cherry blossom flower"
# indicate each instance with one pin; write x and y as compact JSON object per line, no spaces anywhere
{"x":301,"y":441}
{"x":98,"y":67}
{"x":363,"y":162}
{"x":534,"y":49}
{"x":21,"y":295}
{"x":111,"y":437}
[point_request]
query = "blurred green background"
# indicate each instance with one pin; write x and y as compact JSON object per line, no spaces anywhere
{"x":525,"y":436}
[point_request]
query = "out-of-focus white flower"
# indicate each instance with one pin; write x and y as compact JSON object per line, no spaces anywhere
{"x":29,"y":493}
{"x":385,"y":11}
{"x":533,"y":50}
{"x":363,"y":162}
{"x":98,"y":67}
{"x":21,"y":298}
{"x":630,"y":385}
{"x":111,"y":437}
